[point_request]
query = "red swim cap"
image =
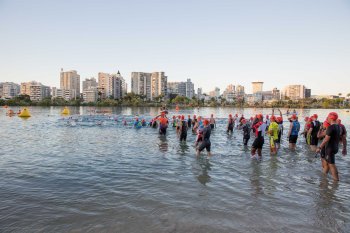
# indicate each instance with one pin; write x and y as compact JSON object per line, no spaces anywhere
{"x":326,"y":124}
{"x":306,"y":118}
{"x":182,"y":117}
{"x":260,"y":116}
{"x":205,"y":122}
{"x":294,"y":117}
{"x":272,"y":118}
{"x":315,"y":116}
{"x":333,"y":116}
{"x":244,"y":121}
{"x":279,"y":119}
{"x":230,"y":115}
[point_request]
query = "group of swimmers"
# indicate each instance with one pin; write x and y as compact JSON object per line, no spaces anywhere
{"x":331,"y":132}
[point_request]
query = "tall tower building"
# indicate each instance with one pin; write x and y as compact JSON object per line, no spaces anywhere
{"x":257,"y":87}
{"x":70,"y":80}
{"x":159,"y":84}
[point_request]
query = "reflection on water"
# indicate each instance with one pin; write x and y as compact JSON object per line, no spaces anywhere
{"x":114,"y":178}
{"x":204,"y":167}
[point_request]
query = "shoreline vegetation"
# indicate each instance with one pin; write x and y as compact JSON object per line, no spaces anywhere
{"x":133,"y":100}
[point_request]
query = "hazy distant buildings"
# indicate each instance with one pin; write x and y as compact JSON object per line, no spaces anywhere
{"x":240,"y":91}
{"x":66,"y":94}
{"x":90,"y":95}
{"x":307,"y":93}
{"x":200,"y":93}
{"x":70,"y":80}
{"x":294,"y":92}
{"x":181,"y":88}
{"x":150,"y":85}
{"x":215,"y":93}
{"x":8,"y":90}
{"x":257,"y":87}
{"x":89,"y":83}
{"x":112,"y":85}
{"x":35,"y":90}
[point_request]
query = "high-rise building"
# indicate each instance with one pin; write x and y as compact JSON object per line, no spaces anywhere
{"x":199,"y":93}
{"x":70,"y":80}
{"x":215,"y":93}
{"x":35,"y":90}
{"x":159,"y":84}
{"x":141,"y":84}
{"x":240,"y":91}
{"x":230,"y":93}
{"x":150,"y":85}
{"x":307,"y":93}
{"x":294,"y":92}
{"x":113,"y":85}
{"x":257,"y":87}
{"x":89,"y":83}
{"x":276,"y":94}
{"x":181,"y":88}
{"x":66,"y":94}
{"x":8,"y":90}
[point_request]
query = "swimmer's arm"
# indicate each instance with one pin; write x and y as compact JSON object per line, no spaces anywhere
{"x":344,"y":152}
{"x":290,"y":129}
{"x":325,"y":140}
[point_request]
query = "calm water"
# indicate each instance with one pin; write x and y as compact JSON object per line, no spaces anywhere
{"x":61,"y":178}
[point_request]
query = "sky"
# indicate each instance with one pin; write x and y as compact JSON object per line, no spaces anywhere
{"x":215,"y":43}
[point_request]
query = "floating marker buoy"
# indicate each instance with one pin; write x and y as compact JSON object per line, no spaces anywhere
{"x":65,"y":111}
{"x":24,"y":113}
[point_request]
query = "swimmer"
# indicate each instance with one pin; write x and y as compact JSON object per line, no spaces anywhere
{"x":343,"y":135}
{"x":245,"y":126}
{"x":163,"y":124}
{"x":312,"y":133}
{"x":189,"y":122}
{"x":293,"y":133}
{"x":331,"y":146}
{"x":183,"y":129}
{"x":273,"y":133}
{"x":212,"y":121}
{"x":205,"y":144}
{"x":230,"y":124}
{"x":258,"y":143}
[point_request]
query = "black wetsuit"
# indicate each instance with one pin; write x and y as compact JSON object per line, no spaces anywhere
{"x":206,"y":144}
{"x":315,"y":126}
{"x":332,"y":146}
{"x":246,"y":134}
{"x":183,"y":135}
{"x":189,"y":123}
{"x":230,"y":125}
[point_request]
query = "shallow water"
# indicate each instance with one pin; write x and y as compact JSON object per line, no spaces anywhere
{"x":109,"y":178}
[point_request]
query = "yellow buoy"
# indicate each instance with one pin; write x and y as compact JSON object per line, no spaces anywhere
{"x":24,"y":113}
{"x":65,"y":111}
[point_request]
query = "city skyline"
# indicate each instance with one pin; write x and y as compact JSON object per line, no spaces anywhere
{"x":279,"y":43}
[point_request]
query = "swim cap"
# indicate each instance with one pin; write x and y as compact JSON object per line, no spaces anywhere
{"x":251,"y":118}
{"x":306,"y":118}
{"x":279,"y":119}
{"x":194,"y":116}
{"x":315,"y":116}
{"x":205,"y":122}
{"x":244,"y":121}
{"x":294,"y":117}
{"x":272,"y":118}
{"x":260,"y":116}
{"x":230,"y":115}
{"x":267,"y":116}
{"x":333,"y":116}
{"x":326,"y":124}
{"x":189,"y":115}
{"x":182,"y":117}
{"x":338,"y":121}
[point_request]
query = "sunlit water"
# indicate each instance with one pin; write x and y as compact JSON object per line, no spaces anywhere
{"x":110,"y":178}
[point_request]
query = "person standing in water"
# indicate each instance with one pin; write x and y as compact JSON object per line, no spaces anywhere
{"x":230,"y":124}
{"x":293,"y":133}
{"x":330,"y":145}
{"x":189,"y":122}
{"x":205,"y":144}
{"x":245,"y":126}
{"x":183,"y":129}
{"x":163,"y":124}
{"x":314,"y":128}
{"x":258,"y":143}
{"x":343,"y":135}
{"x":273,"y":133}
{"x":212,"y":121}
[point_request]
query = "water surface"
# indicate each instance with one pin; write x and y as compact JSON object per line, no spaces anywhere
{"x":109,"y":178}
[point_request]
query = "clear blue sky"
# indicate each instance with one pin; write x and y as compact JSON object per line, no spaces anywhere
{"x":214,"y":43}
